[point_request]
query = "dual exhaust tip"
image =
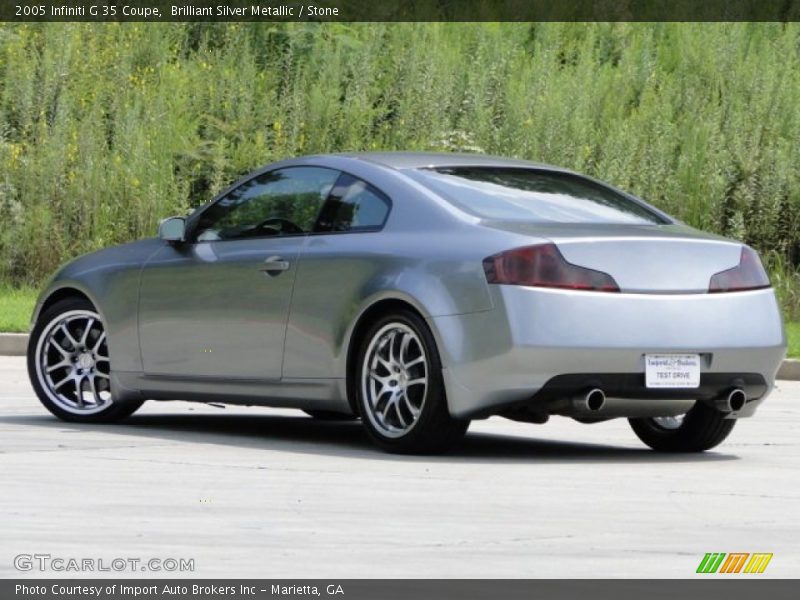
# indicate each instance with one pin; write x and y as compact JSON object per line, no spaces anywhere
{"x":733,"y":402}
{"x":592,"y":401}
{"x":595,"y":399}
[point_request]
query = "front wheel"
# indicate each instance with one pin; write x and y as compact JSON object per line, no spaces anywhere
{"x":68,"y":364}
{"x":698,"y":430}
{"x":401,"y":395}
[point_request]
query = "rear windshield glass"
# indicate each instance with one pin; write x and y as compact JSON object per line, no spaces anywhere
{"x":519,"y":194}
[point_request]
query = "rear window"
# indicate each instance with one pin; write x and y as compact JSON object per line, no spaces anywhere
{"x":519,"y":194}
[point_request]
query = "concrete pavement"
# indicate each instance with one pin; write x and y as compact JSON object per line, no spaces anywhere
{"x":13,"y":344}
{"x":268,"y":493}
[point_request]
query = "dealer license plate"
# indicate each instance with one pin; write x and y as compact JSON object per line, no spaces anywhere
{"x":672,"y":370}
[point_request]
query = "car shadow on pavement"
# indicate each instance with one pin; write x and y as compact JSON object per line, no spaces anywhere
{"x":305,"y":435}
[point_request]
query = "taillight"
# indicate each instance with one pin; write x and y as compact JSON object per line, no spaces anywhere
{"x":748,"y":275}
{"x":544,"y":266}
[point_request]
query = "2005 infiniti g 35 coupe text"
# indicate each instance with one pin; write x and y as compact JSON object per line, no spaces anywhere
{"x":418,"y":292}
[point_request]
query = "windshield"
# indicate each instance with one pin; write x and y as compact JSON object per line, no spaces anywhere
{"x":521,"y":194}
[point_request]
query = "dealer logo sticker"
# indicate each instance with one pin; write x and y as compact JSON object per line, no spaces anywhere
{"x":735,"y":562}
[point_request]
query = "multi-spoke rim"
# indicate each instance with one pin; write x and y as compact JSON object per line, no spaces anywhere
{"x":394,"y":379}
{"x":669,"y":423}
{"x":72,"y":362}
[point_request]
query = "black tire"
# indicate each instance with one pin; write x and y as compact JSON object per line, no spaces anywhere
{"x":703,"y":428}
{"x":330,"y":415}
{"x":114,"y":411}
{"x":434,"y":430}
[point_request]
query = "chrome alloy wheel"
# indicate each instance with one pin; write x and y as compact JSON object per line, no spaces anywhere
{"x":72,"y":362}
{"x":394,"y":379}
{"x":669,"y":423}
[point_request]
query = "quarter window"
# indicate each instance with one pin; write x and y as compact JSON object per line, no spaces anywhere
{"x":276,"y":203}
{"x":353,"y":205}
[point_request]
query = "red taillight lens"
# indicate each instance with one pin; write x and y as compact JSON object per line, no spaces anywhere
{"x":544,"y":266}
{"x":748,"y":275}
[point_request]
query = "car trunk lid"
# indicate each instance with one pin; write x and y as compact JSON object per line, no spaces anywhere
{"x":658,"y":259}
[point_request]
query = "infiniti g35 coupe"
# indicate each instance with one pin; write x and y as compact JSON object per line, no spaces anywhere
{"x":418,"y":292}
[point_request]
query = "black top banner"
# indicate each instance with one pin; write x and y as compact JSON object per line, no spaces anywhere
{"x":399,"y":10}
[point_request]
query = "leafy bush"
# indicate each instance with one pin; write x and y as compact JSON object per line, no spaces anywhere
{"x":106,"y":128}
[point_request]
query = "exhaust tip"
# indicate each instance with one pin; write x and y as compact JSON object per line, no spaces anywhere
{"x":736,"y":400}
{"x":595,"y":399}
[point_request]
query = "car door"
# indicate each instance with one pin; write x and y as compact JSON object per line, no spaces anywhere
{"x":339,"y":265}
{"x":217,"y":304}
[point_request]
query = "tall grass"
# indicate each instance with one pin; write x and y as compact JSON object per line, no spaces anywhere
{"x":16,"y":308}
{"x":105,"y":128}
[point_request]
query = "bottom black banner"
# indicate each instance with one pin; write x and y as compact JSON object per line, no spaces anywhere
{"x":389,"y":589}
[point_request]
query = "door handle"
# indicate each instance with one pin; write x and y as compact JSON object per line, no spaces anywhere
{"x":274,"y":265}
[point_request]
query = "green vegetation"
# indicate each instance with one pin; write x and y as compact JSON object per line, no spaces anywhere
{"x":793,"y":332}
{"x":16,"y":307}
{"x":106,"y":128}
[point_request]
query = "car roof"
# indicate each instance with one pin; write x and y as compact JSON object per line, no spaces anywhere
{"x":419,"y":160}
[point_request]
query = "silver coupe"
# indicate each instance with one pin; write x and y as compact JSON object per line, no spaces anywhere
{"x":418,"y":292}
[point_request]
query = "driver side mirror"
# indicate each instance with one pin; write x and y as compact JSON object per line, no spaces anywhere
{"x":173,"y":229}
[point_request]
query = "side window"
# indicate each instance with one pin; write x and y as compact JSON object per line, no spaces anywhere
{"x":353,"y":205}
{"x":282,"y":202}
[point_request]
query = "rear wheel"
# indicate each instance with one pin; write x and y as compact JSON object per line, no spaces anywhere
{"x":401,"y":394}
{"x":700,"y":429}
{"x":68,"y":364}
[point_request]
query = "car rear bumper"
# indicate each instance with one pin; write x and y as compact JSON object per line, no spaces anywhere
{"x":502,"y":357}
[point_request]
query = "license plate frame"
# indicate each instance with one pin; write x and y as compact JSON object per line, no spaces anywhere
{"x":672,"y":370}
